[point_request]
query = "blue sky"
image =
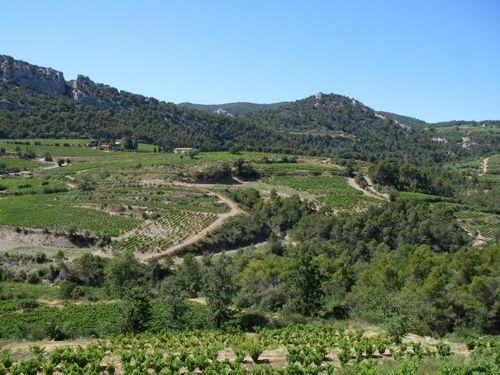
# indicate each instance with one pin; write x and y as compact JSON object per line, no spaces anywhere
{"x":435,"y":60}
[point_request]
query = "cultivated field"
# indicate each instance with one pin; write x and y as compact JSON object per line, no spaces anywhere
{"x":299,"y":349}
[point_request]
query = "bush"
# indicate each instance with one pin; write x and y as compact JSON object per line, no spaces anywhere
{"x":214,"y":172}
{"x":33,"y":278}
{"x":273,"y":299}
{"x":239,"y":354}
{"x":86,"y":184}
{"x":110,"y":368}
{"x":27,"y":304}
{"x":249,"y":321}
{"x":53,"y":332}
{"x":104,"y":241}
{"x":40,"y":257}
{"x":443,"y":349}
{"x":381,"y":346}
{"x":66,"y":289}
{"x":344,"y":355}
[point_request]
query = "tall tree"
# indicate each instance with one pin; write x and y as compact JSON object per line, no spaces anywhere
{"x":136,"y":309}
{"x":306,"y":295}
{"x":189,"y":275}
{"x":122,"y":273}
{"x":219,"y":288}
{"x":173,"y":297}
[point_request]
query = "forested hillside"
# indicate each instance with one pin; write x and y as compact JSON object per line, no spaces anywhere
{"x":231,"y":109}
{"x":32,"y":104}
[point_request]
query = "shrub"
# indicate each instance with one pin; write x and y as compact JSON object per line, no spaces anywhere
{"x":27,"y":304}
{"x":471,"y":344}
{"x":251,"y":320}
{"x":443,"y":349}
{"x":53,"y":332}
{"x":214,"y":172}
{"x":86,"y":184}
{"x":273,"y":299}
{"x":40,"y":257}
{"x":239,"y":355}
{"x":66,"y":289}
{"x":110,"y":368}
{"x":33,"y":277}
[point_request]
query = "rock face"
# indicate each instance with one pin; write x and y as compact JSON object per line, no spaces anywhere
{"x":49,"y":81}
{"x":33,"y":77}
{"x":84,"y":90}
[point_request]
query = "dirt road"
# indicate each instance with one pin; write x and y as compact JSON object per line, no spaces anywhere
{"x":370,"y":191}
{"x":221,"y":219}
{"x":484,"y":166}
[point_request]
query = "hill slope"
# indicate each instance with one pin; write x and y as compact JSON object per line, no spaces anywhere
{"x":39,"y":102}
{"x":231,"y":109}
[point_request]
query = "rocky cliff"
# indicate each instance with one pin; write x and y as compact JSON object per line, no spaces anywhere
{"x":83,"y":90}
{"x":33,"y":77}
{"x":49,"y":81}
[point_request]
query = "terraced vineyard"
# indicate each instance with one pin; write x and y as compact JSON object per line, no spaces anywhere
{"x":170,"y":229}
{"x":485,"y":224}
{"x":491,"y":230}
{"x":494,"y":165}
{"x":331,"y":191}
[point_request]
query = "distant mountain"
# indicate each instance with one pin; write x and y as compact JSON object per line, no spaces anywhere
{"x":231,"y":109}
{"x":38,"y":102}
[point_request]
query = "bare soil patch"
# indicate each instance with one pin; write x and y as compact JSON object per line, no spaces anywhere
{"x":9,"y":235}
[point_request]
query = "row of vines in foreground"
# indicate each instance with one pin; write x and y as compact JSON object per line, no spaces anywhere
{"x":302,"y":349}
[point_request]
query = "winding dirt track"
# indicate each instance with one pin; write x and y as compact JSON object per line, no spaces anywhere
{"x":221,"y":219}
{"x":484,"y":166}
{"x":370,"y":192}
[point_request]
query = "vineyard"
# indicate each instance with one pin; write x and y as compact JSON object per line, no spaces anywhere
{"x":488,"y":225}
{"x":76,"y":319}
{"x":22,"y":185}
{"x":20,"y":164}
{"x":299,"y":349}
{"x":331,"y":191}
{"x":169,"y":229}
{"x":494,"y":165}
{"x":51,"y":212}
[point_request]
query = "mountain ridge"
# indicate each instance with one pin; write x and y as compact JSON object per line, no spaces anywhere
{"x":39,"y":102}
